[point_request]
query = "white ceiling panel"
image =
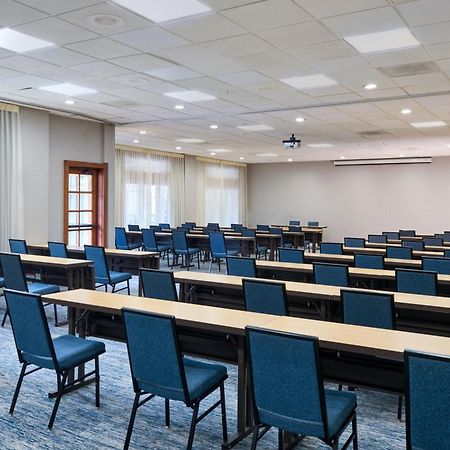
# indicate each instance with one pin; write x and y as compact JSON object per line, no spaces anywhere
{"x":236,"y":46}
{"x":62,"y":56}
{"x":322,"y":51}
{"x":174,"y":73}
{"x":14,"y":13}
{"x":59,"y":6}
{"x":433,"y":34}
{"x":101,"y":69}
{"x":328,"y":8}
{"x":103,"y":48}
{"x":424,"y":12}
{"x":25,"y":64}
{"x":141,"y":63}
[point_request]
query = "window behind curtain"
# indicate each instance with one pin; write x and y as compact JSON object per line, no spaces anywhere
{"x":150,"y":187}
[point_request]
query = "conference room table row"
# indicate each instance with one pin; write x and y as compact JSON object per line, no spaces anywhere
{"x":430,"y":248}
{"x":350,"y":355}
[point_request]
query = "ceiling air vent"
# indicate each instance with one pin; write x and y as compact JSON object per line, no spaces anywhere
{"x":406,"y":70}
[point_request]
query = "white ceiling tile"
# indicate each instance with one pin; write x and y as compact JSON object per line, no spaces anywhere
{"x":8,"y":73}
{"x":236,"y":46}
{"x":24,"y":82}
{"x":405,"y":56}
{"x":327,"y":8}
{"x":433,"y":34}
{"x":59,"y":6}
{"x":439,"y":51}
{"x":62,"y":56}
{"x":217,"y":5}
{"x":13,"y":13}
{"x":141,"y":63}
{"x":173,"y":73}
{"x":348,"y":64}
{"x":62,"y":74}
{"x":103,"y":48}
{"x":423,"y":12}
{"x":243,"y":78}
{"x":24,"y":64}
{"x":101,"y":69}
{"x":322,"y":51}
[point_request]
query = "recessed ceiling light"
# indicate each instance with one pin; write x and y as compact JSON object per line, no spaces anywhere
{"x":105,"y":20}
{"x":309,"y":81}
{"x":70,"y":102}
{"x":370,"y":86}
{"x":214,"y":127}
{"x":342,"y":157}
{"x":319,"y":145}
{"x":437,"y":123}
{"x":177,"y":148}
{"x":242,"y":158}
{"x":299,"y":119}
{"x":179,"y":107}
{"x":382,"y":41}
{"x":212,"y":153}
{"x":21,"y":42}
{"x":159,"y":11}
{"x":136,"y":141}
{"x":69,"y":89}
{"x":190,"y":96}
{"x":191,"y":140}
{"x":406,"y":111}
{"x":290,"y":160}
{"x":142,"y":132}
{"x":255,"y":127}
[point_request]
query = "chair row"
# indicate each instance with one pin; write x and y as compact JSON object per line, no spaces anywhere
{"x":413,"y":244}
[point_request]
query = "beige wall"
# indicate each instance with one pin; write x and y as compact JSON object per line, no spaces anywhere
{"x":352,"y":201}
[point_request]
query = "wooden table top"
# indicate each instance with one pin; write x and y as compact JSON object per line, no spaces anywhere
{"x":108,"y":251}
{"x":435,"y":248}
{"x":382,"y":251}
{"x":55,"y":262}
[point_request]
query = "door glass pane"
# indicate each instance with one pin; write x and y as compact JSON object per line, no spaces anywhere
{"x":73,"y":238}
{"x":86,"y":218}
{"x":85,"y":201}
{"x":73,"y":182}
{"x":85,"y":237}
{"x":74,"y":218}
{"x":86,"y":183}
{"x":73,"y":202}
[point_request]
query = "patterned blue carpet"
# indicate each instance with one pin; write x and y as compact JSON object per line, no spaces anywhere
{"x":79,"y":425}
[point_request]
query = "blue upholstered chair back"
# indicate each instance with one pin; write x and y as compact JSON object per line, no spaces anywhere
{"x":262,"y":227}
{"x":447,"y":253}
{"x":97,"y":254}
{"x":134,"y":228}
{"x":391,"y":235}
{"x":354,"y":242}
{"x":155,"y":358}
{"x":165,"y":226}
{"x":265,"y":297}
{"x":242,"y":267}
{"x":368,"y":309}
{"x":292,"y":255}
{"x":213,"y":226}
{"x":30,"y":329}
{"x":369,"y":261}
{"x":407,"y":233}
{"x":155,"y":228}
{"x":158,"y":284}
{"x":217,"y":243}
{"x":286,"y":381}
{"x":275,"y":230}
{"x":437,"y":241}
{"x":13,"y":272}
{"x":416,"y":281}
{"x":313,"y":223}
{"x":331,"y":274}
{"x":189,"y":225}
{"x":179,"y":240}
{"x":294,"y":222}
{"x":378,"y":238}
{"x":58,"y":249}
{"x":18,"y":246}
{"x":332,"y":248}
{"x":415,"y":245}
{"x":439,"y":265}
{"x":149,"y":240}
{"x":121,"y":238}
{"x":248,"y":233}
{"x":445,"y":236}
{"x":295,"y":228}
{"x":427,"y":401}
{"x":236,"y":225}
{"x":399,"y":252}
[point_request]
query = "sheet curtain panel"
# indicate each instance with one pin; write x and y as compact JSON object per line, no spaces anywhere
{"x":11,"y":176}
{"x":149,"y":187}
{"x":221,"y":192}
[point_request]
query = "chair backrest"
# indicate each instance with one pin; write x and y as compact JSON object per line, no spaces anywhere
{"x":234,"y":225}
{"x":237,"y":227}
{"x":188,"y":225}
{"x":30,"y":329}
{"x":247,"y":232}
{"x":179,"y":240}
{"x":286,"y":381}
{"x":18,"y":246}
{"x":262,"y":227}
{"x":165,"y":226}
{"x":427,"y":401}
{"x":416,"y":281}
{"x":437,"y":241}
{"x":292,"y":255}
{"x":313,"y":223}
{"x":445,"y":237}
{"x":368,"y":309}
{"x":295,"y":228}
{"x":332,"y":248}
{"x":366,"y":261}
{"x":121,"y":239}
{"x":149,"y":240}
{"x":294,"y":222}
{"x":13,"y":273}
{"x":331,"y":274}
{"x":217,"y":243}
{"x":158,"y":284}
{"x":58,"y":249}
{"x":447,"y":253}
{"x":391,"y":235}
{"x":213,"y":226}
{"x":134,"y":228}
{"x":242,"y":267}
{"x":155,"y":227}
{"x":275,"y":230}
{"x":406,"y":233}
{"x":97,"y":255}
{"x":439,"y":265}
{"x":154,"y":354}
{"x":415,"y":245}
{"x":399,"y":252}
{"x":266,"y":297}
{"x":354,"y":242}
{"x":378,"y":238}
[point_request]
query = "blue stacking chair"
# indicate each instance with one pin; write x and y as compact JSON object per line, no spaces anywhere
{"x":295,"y":228}
{"x":150,"y":243}
{"x":331,"y":274}
{"x":236,"y":225}
{"x":292,"y":255}
{"x":36,"y":347}
{"x":439,"y":265}
{"x":134,"y":228}
{"x":332,"y":248}
{"x":159,"y":369}
{"x":259,"y":249}
{"x":18,"y":246}
{"x":181,"y":248}
{"x":213,"y":226}
{"x":369,"y":261}
{"x":121,"y":240}
{"x":447,"y":253}
{"x":165,"y":226}
{"x":189,"y":225}
{"x":436,"y":241}
{"x":416,"y":281}
{"x":313,"y":223}
{"x":58,"y":249}
{"x":377,"y":238}
{"x":291,"y":396}
{"x":415,"y":245}
{"x":262,"y":227}
{"x":158,"y":284}
{"x":391,"y":235}
{"x":399,"y":252}
{"x":14,"y":278}
{"x":294,"y":222}
{"x":406,"y":233}
{"x":427,"y":401}
{"x":354,"y":242}
{"x":155,"y":228}
{"x":268,"y":297}
{"x":218,"y":248}
{"x":241,"y":267}
{"x":104,"y":276}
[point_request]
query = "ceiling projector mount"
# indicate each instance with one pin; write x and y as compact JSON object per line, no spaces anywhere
{"x":291,"y":143}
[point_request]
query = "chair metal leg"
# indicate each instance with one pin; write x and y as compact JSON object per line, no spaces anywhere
{"x":58,"y":400}
{"x":254,"y":438}
{"x":193,"y":425}
{"x":128,"y":286}
{"x":400,"y":407}
{"x":131,"y":422}
{"x":167,"y":407}
{"x":198,"y":261}
{"x":56,"y":314}
{"x":5,"y":316}
{"x":97,"y":383}
{"x":210,"y":264}
{"x":113,"y":288}
{"x":224,"y":413}
{"x":106,"y":288}
{"x":280,"y":439}
{"x":18,"y":386}
{"x":355,"y":430}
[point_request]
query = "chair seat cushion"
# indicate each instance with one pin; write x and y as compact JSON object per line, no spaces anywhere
{"x":339,"y":406}
{"x":71,"y":350}
{"x":202,"y":376}
{"x":42,"y":288}
{"x":232,"y":252}
{"x":2,"y":282}
{"x":133,"y":246}
{"x":118,"y":277}
{"x":164,"y":247}
{"x":122,"y":247}
{"x":189,"y":251}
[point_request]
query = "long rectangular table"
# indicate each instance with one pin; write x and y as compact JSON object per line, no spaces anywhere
{"x":382,"y":251}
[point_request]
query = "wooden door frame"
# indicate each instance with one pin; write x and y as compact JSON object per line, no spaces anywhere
{"x":102,"y":194}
